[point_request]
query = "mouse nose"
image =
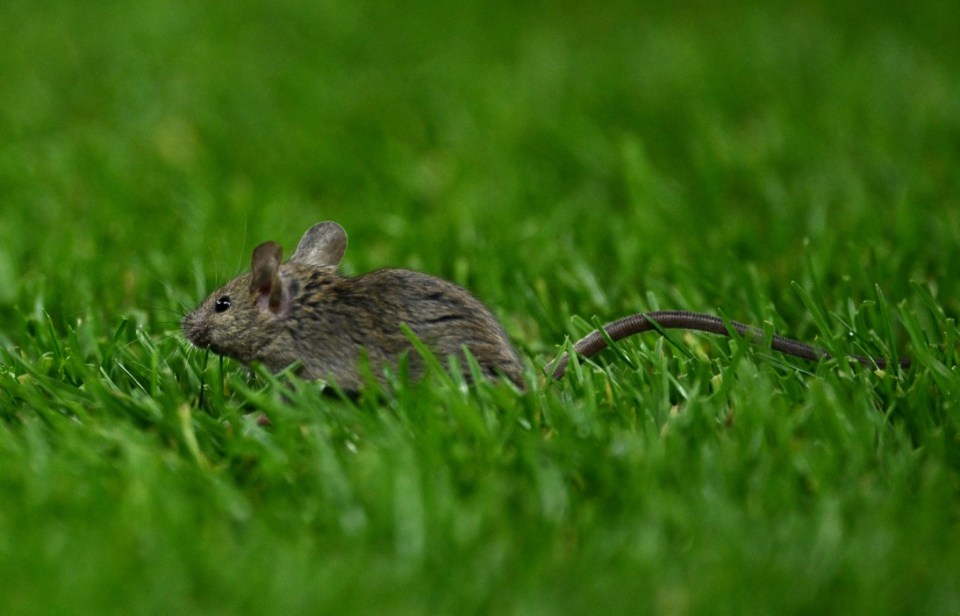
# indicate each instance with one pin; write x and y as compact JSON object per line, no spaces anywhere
{"x":196,"y":330}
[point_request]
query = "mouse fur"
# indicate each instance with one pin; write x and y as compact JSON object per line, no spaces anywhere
{"x":304,"y":311}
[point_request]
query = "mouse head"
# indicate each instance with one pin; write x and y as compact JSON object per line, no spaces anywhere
{"x":244,"y":318}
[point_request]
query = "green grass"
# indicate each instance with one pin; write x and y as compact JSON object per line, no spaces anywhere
{"x":790,"y":167}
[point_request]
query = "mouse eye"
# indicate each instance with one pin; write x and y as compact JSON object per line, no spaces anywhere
{"x":221,"y":304}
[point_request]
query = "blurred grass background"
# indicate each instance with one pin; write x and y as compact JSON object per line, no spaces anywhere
{"x":560,"y":160}
{"x":486,"y":143}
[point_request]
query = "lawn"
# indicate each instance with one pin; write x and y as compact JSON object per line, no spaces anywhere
{"x":791,"y":167}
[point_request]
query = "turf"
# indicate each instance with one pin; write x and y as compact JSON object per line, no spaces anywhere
{"x":789,"y":167}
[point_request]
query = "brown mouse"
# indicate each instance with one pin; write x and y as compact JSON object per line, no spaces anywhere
{"x":305,"y":311}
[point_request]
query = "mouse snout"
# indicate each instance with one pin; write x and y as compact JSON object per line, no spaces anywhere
{"x":196,"y":330}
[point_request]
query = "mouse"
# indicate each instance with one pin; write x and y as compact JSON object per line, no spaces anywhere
{"x":304,"y":311}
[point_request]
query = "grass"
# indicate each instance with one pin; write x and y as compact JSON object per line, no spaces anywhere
{"x":789,"y":167}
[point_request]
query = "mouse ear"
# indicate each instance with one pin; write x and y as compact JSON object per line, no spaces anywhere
{"x":323,"y":244}
{"x":265,"y":278}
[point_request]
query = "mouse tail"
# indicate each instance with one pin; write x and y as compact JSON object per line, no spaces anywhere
{"x":594,"y":342}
